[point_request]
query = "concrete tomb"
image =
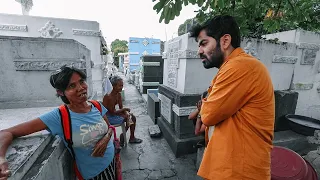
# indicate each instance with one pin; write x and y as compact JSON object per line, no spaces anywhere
{"x":26,"y":65}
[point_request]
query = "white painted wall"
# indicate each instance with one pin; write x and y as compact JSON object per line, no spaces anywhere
{"x":287,"y":36}
{"x":66,"y":26}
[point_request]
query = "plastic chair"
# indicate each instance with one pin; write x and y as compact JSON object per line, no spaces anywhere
{"x":123,"y":127}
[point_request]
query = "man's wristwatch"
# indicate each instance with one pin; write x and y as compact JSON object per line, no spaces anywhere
{"x":199,"y":116}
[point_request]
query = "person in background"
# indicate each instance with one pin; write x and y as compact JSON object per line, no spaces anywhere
{"x":107,"y":86}
{"x":93,"y":147}
{"x":122,"y":114}
{"x":240,"y":105}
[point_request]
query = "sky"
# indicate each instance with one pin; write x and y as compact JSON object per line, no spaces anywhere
{"x":118,"y":19}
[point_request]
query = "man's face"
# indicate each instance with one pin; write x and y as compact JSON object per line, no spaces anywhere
{"x":209,"y":51}
{"x":119,"y":86}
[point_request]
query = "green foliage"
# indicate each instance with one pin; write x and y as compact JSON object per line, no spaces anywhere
{"x":255,"y":17}
{"x":119,"y":46}
{"x":182,"y":27}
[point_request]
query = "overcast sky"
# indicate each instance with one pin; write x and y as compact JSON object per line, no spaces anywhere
{"x":118,"y":18}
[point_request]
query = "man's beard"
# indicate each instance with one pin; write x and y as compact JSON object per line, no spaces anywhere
{"x":216,"y":59}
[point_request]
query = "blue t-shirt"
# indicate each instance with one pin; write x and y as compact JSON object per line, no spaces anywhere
{"x":87,"y":130}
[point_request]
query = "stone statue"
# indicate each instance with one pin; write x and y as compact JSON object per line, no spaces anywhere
{"x":26,"y":6}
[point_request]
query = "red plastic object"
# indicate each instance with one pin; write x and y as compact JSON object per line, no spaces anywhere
{"x":312,"y":174}
{"x":287,"y":165}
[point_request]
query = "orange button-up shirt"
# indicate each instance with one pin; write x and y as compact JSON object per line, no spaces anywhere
{"x":241,"y":107}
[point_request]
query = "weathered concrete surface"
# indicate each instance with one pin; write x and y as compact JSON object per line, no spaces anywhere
{"x":24,"y":151}
{"x":153,"y":158}
{"x":53,"y":163}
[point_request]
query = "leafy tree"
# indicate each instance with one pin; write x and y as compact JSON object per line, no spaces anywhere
{"x":255,"y":17}
{"x":119,"y":46}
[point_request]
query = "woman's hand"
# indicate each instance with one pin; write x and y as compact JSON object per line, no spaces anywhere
{"x":4,"y":171}
{"x":197,"y":130}
{"x":101,"y":146}
{"x":199,"y":103}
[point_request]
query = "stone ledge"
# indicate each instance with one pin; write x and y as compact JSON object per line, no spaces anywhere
{"x":181,"y":100}
{"x":178,"y":146}
{"x":23,"y":152}
{"x":183,"y":111}
{"x":55,"y":162}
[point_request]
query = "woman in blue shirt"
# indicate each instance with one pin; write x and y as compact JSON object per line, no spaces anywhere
{"x":92,"y":139}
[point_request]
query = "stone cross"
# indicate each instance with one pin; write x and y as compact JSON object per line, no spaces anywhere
{"x":26,"y":6}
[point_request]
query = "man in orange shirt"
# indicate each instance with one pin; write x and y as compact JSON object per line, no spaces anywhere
{"x":240,"y":106}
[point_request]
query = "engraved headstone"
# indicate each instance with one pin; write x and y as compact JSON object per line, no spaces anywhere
{"x":165,"y":107}
{"x":173,"y":62}
{"x":309,"y":56}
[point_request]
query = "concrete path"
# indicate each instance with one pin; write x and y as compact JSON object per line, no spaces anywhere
{"x":153,"y":158}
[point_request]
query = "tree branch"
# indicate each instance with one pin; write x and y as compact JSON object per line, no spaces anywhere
{"x":291,"y":5}
{"x":276,"y":13}
{"x":233,"y":4}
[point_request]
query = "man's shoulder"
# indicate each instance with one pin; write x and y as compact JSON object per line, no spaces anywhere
{"x":245,"y":61}
{"x":109,"y":96}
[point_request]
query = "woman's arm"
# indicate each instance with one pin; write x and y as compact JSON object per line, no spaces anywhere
{"x":101,"y":146}
{"x":7,"y":135}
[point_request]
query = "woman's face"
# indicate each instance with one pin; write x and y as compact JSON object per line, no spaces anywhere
{"x":76,"y":91}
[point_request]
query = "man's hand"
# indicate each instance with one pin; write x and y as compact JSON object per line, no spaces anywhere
{"x":126,"y":109}
{"x":4,"y":171}
{"x":101,"y":146}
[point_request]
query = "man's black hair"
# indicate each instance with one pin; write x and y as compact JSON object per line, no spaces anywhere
{"x":217,"y":27}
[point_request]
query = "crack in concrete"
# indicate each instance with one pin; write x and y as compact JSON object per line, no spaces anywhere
{"x":148,"y":176}
{"x":138,"y":156}
{"x":163,"y":174}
